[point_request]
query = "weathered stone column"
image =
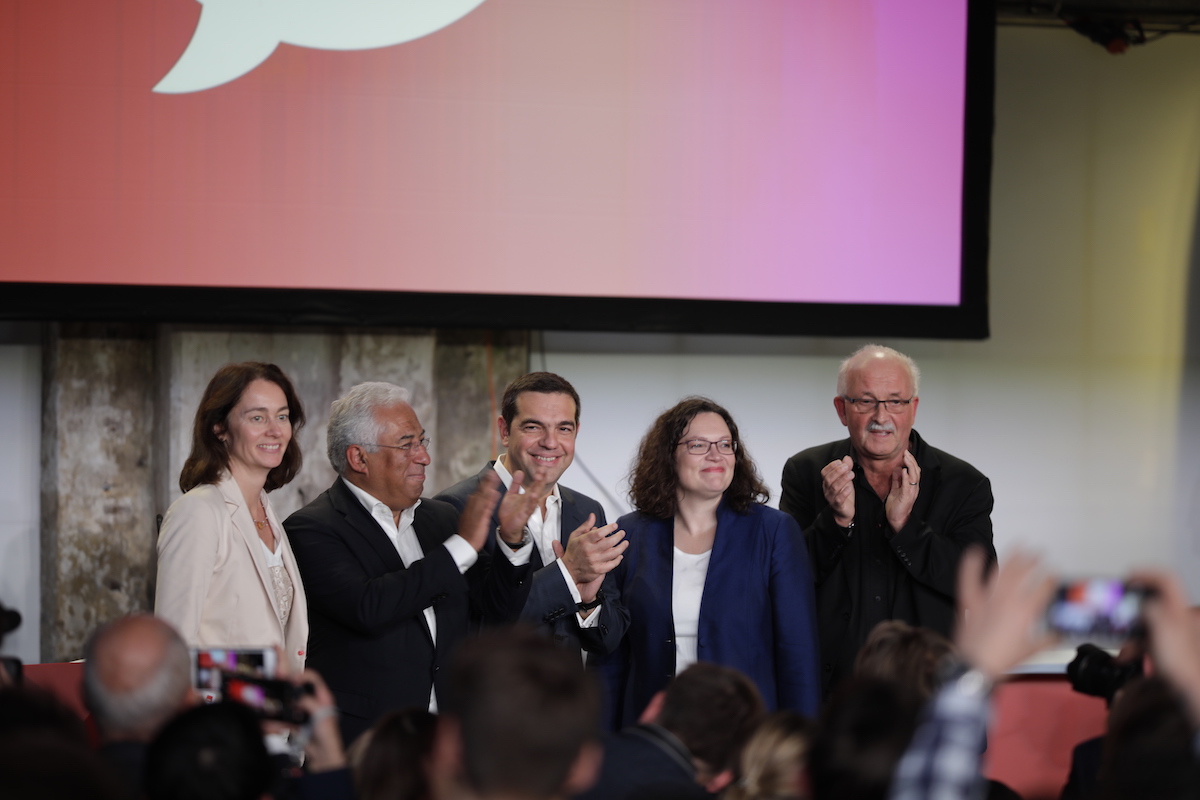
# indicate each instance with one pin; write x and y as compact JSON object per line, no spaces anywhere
{"x":471,"y":369}
{"x":97,"y":501}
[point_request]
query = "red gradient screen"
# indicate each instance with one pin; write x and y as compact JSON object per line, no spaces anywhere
{"x":796,"y":151}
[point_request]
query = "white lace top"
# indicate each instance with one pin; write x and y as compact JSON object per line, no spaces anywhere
{"x":281,"y":583}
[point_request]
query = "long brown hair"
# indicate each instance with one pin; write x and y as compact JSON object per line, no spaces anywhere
{"x":654,"y":482}
{"x":209,"y":457}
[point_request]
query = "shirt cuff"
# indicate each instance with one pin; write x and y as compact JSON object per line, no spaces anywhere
{"x":571,"y":587}
{"x":593,"y":619}
{"x":461,"y":551}
{"x":589,"y":621}
{"x":519,"y":557}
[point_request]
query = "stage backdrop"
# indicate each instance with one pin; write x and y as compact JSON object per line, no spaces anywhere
{"x":728,"y":150}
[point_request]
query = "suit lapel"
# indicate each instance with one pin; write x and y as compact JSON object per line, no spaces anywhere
{"x":427,"y":533}
{"x":572,"y":514}
{"x":365,"y":526}
{"x":662,"y":575}
{"x":931,"y":476}
{"x":427,"y":536}
{"x":479,"y":476}
{"x":725,"y":566}
{"x":362,"y":523}
{"x":243,"y":523}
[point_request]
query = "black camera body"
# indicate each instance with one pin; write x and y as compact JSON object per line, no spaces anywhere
{"x":1095,"y":672}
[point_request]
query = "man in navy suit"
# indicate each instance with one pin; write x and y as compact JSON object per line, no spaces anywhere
{"x":565,"y":538}
{"x":392,"y":580}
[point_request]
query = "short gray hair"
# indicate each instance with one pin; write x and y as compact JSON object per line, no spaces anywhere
{"x":352,"y":419}
{"x":852,"y":361}
{"x":139,"y":712}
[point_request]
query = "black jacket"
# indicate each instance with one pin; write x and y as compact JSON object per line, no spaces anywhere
{"x":919,"y":564}
{"x":367,"y":632}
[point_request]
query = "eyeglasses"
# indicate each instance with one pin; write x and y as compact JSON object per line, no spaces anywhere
{"x":422,"y":442}
{"x":700,"y":447}
{"x":867,"y":405}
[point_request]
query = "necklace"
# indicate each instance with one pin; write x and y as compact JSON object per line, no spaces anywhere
{"x":261,"y":523}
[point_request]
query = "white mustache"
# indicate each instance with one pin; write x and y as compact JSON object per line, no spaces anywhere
{"x":881,"y":427}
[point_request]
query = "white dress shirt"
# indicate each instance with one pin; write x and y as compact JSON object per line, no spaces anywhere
{"x":543,"y":531}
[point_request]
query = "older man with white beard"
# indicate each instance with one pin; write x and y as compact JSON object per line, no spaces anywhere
{"x":886,"y":516}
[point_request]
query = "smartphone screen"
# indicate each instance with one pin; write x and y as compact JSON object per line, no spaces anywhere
{"x":210,"y":665}
{"x":1097,"y":610}
{"x":272,"y":699}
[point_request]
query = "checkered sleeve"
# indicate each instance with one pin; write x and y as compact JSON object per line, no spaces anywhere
{"x":943,"y":761}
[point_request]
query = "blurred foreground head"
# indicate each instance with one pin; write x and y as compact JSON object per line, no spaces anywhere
{"x":521,"y":721}
{"x":210,"y":752}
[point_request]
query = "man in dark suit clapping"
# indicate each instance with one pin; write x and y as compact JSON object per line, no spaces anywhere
{"x":391,"y":578}
{"x":564,"y":537}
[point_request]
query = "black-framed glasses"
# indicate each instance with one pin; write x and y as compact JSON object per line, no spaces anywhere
{"x":423,"y":442}
{"x":866,"y":405}
{"x":700,"y":447}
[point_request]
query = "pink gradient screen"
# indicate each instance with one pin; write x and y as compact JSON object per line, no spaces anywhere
{"x":777,"y":150}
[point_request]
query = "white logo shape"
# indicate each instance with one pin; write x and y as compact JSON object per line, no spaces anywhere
{"x":235,"y":36}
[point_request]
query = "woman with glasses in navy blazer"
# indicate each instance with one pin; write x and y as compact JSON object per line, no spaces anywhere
{"x":711,"y":572}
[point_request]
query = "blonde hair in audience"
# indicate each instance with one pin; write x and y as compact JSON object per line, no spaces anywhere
{"x":775,"y":760}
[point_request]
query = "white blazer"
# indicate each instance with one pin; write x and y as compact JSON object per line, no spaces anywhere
{"x":214,"y":584}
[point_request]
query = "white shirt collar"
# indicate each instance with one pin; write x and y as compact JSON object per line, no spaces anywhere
{"x":506,"y":478}
{"x":370,"y":503}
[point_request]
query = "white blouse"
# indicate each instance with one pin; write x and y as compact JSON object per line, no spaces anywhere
{"x":687,"y":586}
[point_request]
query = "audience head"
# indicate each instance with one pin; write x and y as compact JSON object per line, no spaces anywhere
{"x":539,"y":420}
{"x":874,"y":372}
{"x":914,"y":658}
{"x":1148,"y":749}
{"x":390,"y":761}
{"x":224,"y":429}
{"x":136,"y":676}
{"x":664,"y":467}
{"x":40,"y":767}
{"x":774,"y":764}
{"x":376,"y":442}
{"x":521,"y":720}
{"x":28,"y":711}
{"x":713,"y":710}
{"x":209,"y":752}
{"x":861,"y":735}
{"x":44,"y":753}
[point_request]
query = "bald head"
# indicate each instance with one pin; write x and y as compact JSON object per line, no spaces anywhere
{"x":870,"y":354}
{"x":136,"y":677}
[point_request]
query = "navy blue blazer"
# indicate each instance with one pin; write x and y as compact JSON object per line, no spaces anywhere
{"x":544,"y":600}
{"x":757,"y":611}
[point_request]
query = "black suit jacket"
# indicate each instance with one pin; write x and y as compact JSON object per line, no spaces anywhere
{"x":952,"y":512}
{"x":545,"y":600}
{"x":367,"y":631}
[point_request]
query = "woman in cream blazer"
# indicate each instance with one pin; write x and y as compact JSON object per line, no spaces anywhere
{"x":226,"y":573}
